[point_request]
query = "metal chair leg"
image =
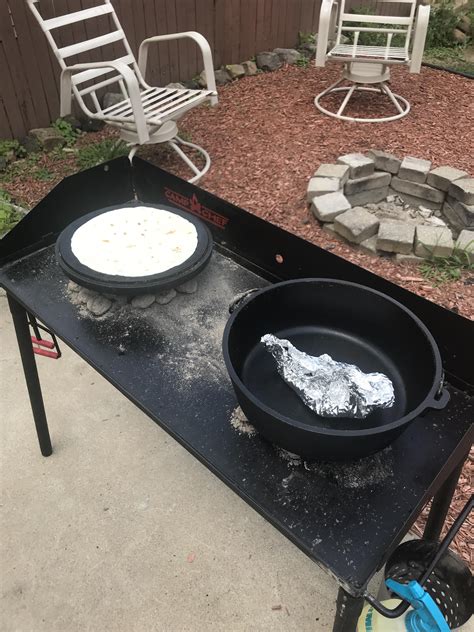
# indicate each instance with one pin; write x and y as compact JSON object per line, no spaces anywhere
{"x":176,"y":141}
{"x":132,"y":153}
{"x":346,"y":100}
{"x":384,"y":88}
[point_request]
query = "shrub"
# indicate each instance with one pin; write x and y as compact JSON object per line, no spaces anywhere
{"x":8,"y":146}
{"x":9,"y":216}
{"x":93,"y":155}
{"x":303,"y":62}
{"x":441,"y":270}
{"x":306,"y":38}
{"x":67,"y":131}
{"x":443,"y":20}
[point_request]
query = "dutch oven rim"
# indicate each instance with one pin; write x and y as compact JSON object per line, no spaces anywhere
{"x":430,"y":400}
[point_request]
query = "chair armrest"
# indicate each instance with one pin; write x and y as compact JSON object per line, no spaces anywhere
{"x":325,"y":22}
{"x":419,"y":39}
{"x":131,"y":83}
{"x":200,"y":40}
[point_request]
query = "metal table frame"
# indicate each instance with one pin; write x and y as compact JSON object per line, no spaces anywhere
{"x":348,"y":606}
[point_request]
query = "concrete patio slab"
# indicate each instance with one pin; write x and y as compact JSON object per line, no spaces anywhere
{"x":122,"y":530}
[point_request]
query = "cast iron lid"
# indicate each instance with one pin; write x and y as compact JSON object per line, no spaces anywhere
{"x":116,"y":284}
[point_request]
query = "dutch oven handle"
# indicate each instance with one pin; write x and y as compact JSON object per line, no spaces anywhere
{"x":241,"y":298}
{"x":441,"y":399}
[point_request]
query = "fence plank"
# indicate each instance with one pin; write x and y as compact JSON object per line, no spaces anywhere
{"x":13,"y":125}
{"x":124,"y":11}
{"x":306,"y":17}
{"x":154,"y":55}
{"x":281,"y":6}
{"x":159,"y":65}
{"x":235,"y":29}
{"x":29,"y":61}
{"x":219,"y":30}
{"x":316,"y":12}
{"x":227,"y":52}
{"x":274,"y":24}
{"x":266,"y":24}
{"x":140,"y":26}
{"x":25,"y":102}
{"x":49,"y":10}
{"x":173,"y":50}
{"x":205,"y":25}
{"x":292,"y":22}
{"x":185,"y":21}
{"x":248,"y":19}
{"x":47,"y":64}
{"x":5,"y":129}
{"x":260,"y":26}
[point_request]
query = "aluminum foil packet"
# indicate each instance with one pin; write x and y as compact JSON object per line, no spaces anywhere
{"x":330,"y":388}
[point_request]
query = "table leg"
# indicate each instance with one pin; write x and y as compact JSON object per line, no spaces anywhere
{"x":348,"y":611}
{"x":22,"y":330}
{"x":440,"y":505}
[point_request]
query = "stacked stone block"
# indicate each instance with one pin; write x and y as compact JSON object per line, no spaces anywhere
{"x":338,"y":192}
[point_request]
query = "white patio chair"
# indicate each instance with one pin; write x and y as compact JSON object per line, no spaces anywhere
{"x":369,"y":64}
{"x":147,"y":114}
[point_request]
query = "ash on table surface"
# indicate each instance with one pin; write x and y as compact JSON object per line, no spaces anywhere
{"x":185,"y":334}
{"x":365,"y":472}
{"x":240,"y":422}
{"x":371,"y":470}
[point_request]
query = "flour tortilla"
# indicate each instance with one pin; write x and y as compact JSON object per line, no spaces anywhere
{"x":135,"y":242}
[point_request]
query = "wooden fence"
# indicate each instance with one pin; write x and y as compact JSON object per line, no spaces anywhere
{"x":236,"y":30}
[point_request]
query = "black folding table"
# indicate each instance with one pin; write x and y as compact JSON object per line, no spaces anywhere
{"x":171,"y":367}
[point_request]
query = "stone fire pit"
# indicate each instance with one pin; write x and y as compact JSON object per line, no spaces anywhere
{"x":397,"y":208}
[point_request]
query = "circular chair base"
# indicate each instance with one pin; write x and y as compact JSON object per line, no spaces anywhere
{"x":168,"y":133}
{"x":401,"y":104}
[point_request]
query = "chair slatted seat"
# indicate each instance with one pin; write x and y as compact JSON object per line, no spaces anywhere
{"x":378,"y":52}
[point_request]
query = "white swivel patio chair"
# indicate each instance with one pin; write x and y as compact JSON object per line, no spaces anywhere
{"x":147,"y":114}
{"x":366,"y":66}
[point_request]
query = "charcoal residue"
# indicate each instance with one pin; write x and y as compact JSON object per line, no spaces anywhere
{"x":366,"y":472}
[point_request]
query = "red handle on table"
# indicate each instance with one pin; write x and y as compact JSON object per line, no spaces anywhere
{"x":43,"y":343}
{"x":43,"y":352}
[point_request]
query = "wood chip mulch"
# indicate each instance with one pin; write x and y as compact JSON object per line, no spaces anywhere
{"x":266,"y":139}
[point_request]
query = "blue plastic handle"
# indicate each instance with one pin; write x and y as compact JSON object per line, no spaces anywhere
{"x":425,"y":616}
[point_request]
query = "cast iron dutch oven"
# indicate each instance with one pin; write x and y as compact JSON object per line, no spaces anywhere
{"x":352,"y":324}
